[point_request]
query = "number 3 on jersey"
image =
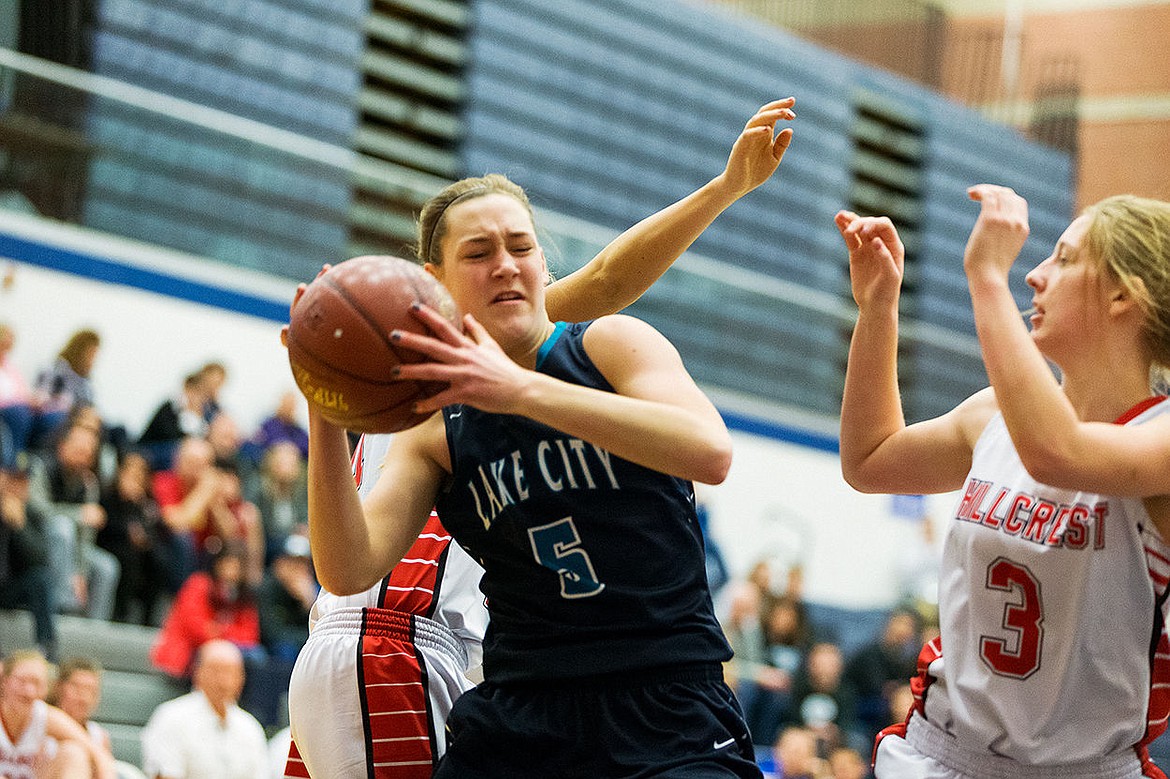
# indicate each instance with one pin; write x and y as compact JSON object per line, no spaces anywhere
{"x":557,"y":545}
{"x":1024,"y":619}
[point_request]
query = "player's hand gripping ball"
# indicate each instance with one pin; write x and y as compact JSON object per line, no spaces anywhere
{"x":339,"y":341}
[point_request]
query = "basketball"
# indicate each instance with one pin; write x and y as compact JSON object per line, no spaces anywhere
{"x":339,"y":344}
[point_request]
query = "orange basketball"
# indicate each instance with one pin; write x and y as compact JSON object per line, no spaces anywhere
{"x":339,"y":341}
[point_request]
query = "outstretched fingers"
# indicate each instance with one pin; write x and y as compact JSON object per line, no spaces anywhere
{"x":766,"y":119}
{"x":848,"y":224}
{"x":770,"y":113}
{"x":999,"y":234}
{"x":757,"y":151}
{"x":874,"y":232}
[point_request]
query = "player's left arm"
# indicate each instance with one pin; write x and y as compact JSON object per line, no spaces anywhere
{"x":637,"y":258}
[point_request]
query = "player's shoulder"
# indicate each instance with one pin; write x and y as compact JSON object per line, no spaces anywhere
{"x":973,"y":414}
{"x":622,"y":331}
{"x":619,"y":323}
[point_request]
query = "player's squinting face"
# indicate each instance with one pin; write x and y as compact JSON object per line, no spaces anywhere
{"x":493,"y":265}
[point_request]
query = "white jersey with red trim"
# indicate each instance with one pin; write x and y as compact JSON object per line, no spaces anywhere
{"x":1049,"y":599}
{"x":443,"y":589}
{"x":387,"y":664}
{"x":17,"y":760}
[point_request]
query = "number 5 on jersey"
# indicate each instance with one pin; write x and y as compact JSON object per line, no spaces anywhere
{"x":557,"y":545}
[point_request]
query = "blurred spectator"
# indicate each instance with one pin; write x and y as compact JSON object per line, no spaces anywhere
{"x":901,"y":701}
{"x":787,"y":633}
{"x":112,"y":442}
{"x":279,"y":427}
{"x":742,"y":620}
{"x":234,"y":518}
{"x":184,"y":492}
{"x":787,"y":637}
{"x":762,"y":689}
{"x":65,"y":384}
{"x":65,"y":488}
{"x":794,"y":756}
{"x":40,"y":734}
{"x":223,"y":432}
{"x":175,"y":419}
{"x":882,"y":665}
{"x":205,"y":734}
{"x":824,"y":702}
{"x":847,"y":763}
{"x":136,"y":534}
{"x":26,"y":580}
{"x":215,"y":604}
{"x":211,"y":377}
{"x":284,"y":600}
{"x":17,"y":408}
{"x":281,"y":495}
{"x":77,"y":692}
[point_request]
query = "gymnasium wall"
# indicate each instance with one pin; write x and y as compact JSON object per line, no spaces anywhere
{"x":605,"y":110}
{"x":608,"y":109}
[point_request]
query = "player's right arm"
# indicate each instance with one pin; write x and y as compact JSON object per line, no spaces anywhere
{"x":355,"y":543}
{"x":879,"y":451}
{"x":637,"y":258}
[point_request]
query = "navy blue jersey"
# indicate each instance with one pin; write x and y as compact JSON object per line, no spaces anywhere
{"x":593,"y":565}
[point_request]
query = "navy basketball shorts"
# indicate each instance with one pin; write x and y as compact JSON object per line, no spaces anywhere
{"x":674,"y":723}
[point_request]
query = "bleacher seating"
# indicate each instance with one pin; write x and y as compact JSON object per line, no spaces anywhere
{"x":131,"y":687}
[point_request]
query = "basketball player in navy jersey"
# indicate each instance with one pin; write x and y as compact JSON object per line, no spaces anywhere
{"x":562,"y":461}
{"x":392,"y":725}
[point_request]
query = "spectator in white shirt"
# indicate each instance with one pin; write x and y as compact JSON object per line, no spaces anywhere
{"x":205,"y":734}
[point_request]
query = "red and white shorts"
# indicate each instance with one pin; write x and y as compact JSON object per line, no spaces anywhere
{"x":370,"y":693}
